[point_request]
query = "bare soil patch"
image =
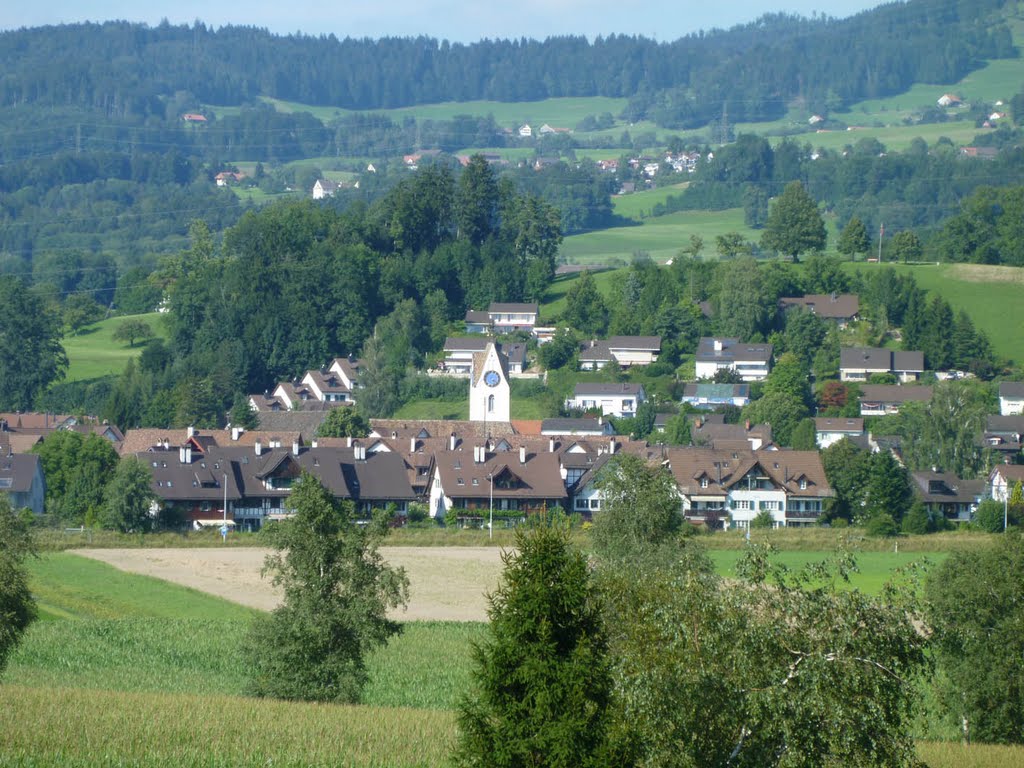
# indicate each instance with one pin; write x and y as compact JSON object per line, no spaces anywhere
{"x":446,"y":583}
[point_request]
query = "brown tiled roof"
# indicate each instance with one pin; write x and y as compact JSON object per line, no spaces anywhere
{"x":841,"y":306}
{"x":137,"y":440}
{"x":442,"y":427}
{"x":724,"y":469}
{"x":538,"y":478}
{"x":893,"y":393}
{"x":24,"y":422}
{"x":945,"y":487}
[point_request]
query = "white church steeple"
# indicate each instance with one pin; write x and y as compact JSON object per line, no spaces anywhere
{"x":489,"y":397}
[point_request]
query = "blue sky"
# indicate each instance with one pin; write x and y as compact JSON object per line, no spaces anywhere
{"x":456,"y":20}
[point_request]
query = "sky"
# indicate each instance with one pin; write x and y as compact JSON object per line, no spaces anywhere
{"x":455,"y":20}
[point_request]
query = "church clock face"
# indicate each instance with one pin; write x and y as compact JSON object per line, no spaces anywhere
{"x":491,"y":379}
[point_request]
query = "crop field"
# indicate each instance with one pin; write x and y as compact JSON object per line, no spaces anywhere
{"x":132,"y":670}
{"x":93,"y":353}
{"x":992,"y":295}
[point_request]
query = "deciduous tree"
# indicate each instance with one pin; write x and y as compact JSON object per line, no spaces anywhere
{"x":794,"y":224}
{"x":127,"y":498}
{"x":337,"y":591}
{"x":132,"y":329}
{"x":31,"y":355}
{"x":17,"y":607}
{"x":343,"y":422}
{"x":641,"y":506}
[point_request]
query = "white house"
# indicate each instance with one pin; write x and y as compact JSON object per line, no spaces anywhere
{"x":1002,"y":480}
{"x":705,"y":395}
{"x":459,"y":352}
{"x":733,"y":487}
{"x":751,"y":361}
{"x":626,"y":351}
{"x":831,"y":430}
{"x":619,"y":400}
{"x":1011,"y":398}
{"x":525,"y":131}
{"x":324,"y":188}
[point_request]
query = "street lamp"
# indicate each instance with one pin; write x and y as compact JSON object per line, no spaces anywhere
{"x":224,"y":525}
{"x":490,"y":522}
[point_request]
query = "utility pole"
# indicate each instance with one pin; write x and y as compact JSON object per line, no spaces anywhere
{"x":881,"y":234}
{"x":490,"y":522}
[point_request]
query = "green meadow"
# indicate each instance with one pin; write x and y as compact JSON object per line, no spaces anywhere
{"x":128,"y":670}
{"x":993,"y":296}
{"x":93,"y":353}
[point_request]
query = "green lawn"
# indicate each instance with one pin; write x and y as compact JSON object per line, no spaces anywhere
{"x":94,"y":353}
{"x":639,"y":205}
{"x":660,"y":237}
{"x":993,"y":296}
{"x":554,"y":300}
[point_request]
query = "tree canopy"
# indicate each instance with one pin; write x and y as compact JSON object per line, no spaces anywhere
{"x":794,"y":224}
{"x":17,"y":607}
{"x":337,"y":591}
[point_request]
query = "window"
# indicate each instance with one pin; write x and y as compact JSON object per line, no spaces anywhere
{"x":476,"y":481}
{"x":803,"y":483}
{"x":595,"y":503}
{"x":742,"y":504}
{"x":704,"y":482}
{"x":490,"y":403}
{"x":627,"y":405}
{"x":460,"y":481}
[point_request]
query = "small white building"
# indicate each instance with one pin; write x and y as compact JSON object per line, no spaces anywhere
{"x":620,"y":400}
{"x":1011,"y":398}
{"x":831,"y":430}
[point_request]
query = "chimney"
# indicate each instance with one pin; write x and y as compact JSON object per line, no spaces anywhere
{"x":295,"y":447}
{"x":259,"y":447}
{"x":522,"y":454}
{"x":191,"y":431}
{"x":746,"y":425}
{"x":167,"y":444}
{"x":359,"y":452}
{"x":718,"y":345}
{"x":551,"y":445}
{"x":236,"y":432}
{"x":412,"y":445}
{"x":611,"y":446}
{"x":185,"y":454}
{"x":451,"y":442}
{"x":348,"y":441}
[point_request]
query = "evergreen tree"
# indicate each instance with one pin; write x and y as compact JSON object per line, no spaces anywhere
{"x":585,"y":309}
{"x":888,"y":488}
{"x":541,"y":682}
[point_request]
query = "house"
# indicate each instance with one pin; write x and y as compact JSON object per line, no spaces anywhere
{"x":321,"y":389}
{"x":525,"y":131}
{"x":324,"y":188}
{"x":626,"y":351}
{"x":195,"y":479}
{"x":751,"y":361}
{"x":228,"y":178}
{"x":547,"y":130}
{"x":1005,"y":436}
{"x":709,"y":396}
{"x":949,"y":100}
{"x":945,"y":494}
{"x":459,"y":351}
{"x":21,"y":478}
{"x":828,"y":431}
{"x":327,"y":386}
{"x":496,"y":478}
{"x":860,"y":363}
{"x":815,"y":119}
{"x":620,"y":400}
{"x":509,"y":317}
{"x":1002,"y":480}
{"x":583,"y":427}
{"x":983,"y":153}
{"x":1011,"y":398}
{"x":732,"y":487}
{"x":886,"y":399}
{"x":841,"y":308}
{"x":711,"y":431}
{"x":193,"y":117}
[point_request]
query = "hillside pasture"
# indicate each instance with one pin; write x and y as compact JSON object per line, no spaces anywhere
{"x":660,"y":237}
{"x":991,"y":295}
{"x":93,"y":353}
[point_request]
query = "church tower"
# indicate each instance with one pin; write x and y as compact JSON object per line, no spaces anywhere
{"x":489,"y":396}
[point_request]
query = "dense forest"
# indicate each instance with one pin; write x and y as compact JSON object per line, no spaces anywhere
{"x":130,"y":71}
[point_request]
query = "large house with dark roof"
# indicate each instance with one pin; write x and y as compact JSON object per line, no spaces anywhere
{"x":620,"y":400}
{"x":1011,"y":398}
{"x":625,"y":351}
{"x":322,"y":389}
{"x":21,"y":479}
{"x":733,"y":487}
{"x":861,"y":363}
{"x":886,"y":399}
{"x":708,"y":396}
{"x":946,"y":495}
{"x":503,"y":317}
{"x":751,"y":361}
{"x":1005,"y":435}
{"x":841,"y":308}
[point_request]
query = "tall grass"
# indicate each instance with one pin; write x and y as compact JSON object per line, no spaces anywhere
{"x":108,"y":728}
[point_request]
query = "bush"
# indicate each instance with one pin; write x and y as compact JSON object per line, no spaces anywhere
{"x":882,"y":525}
{"x":989,"y":516}
{"x":763,"y":519}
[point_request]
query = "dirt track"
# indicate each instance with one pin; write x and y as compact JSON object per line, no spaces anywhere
{"x":446,"y":583}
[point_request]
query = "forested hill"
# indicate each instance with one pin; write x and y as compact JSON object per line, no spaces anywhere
{"x":132,"y":71}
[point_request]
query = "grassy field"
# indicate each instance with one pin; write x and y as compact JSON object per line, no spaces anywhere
{"x":639,"y":205}
{"x":992,"y":295}
{"x":560,"y":113}
{"x":94,"y":353}
{"x":660,"y":237}
{"x":554,"y":301}
{"x":145,"y":690}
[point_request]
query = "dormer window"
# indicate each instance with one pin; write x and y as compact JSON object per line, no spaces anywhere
{"x":704,"y":482}
{"x":803,"y":483}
